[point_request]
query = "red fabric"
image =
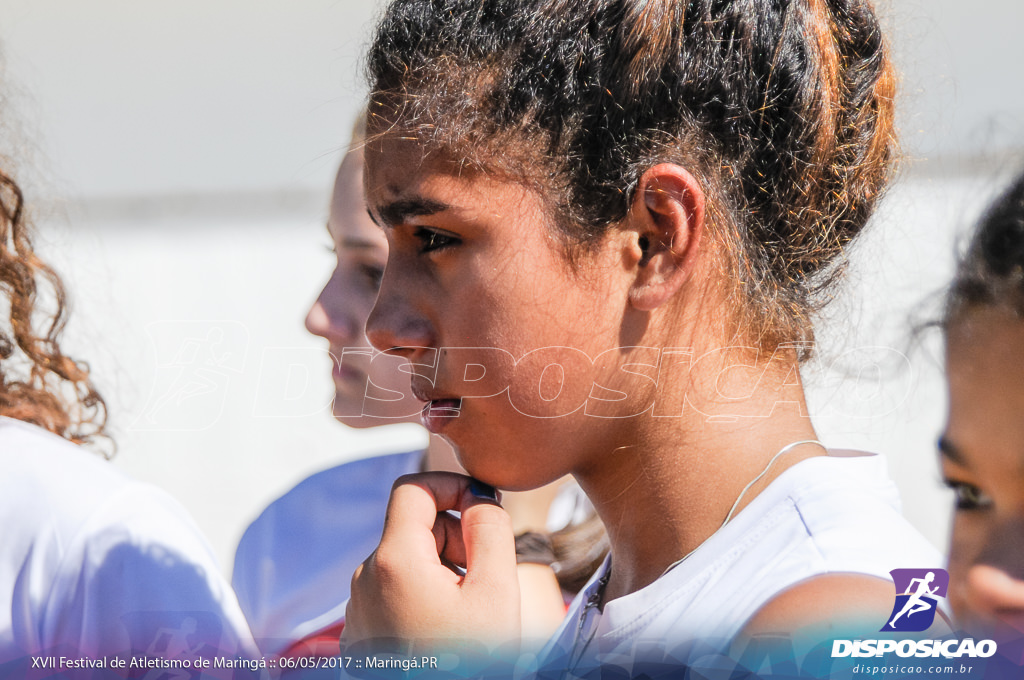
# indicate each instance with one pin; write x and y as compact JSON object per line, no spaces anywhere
{"x":321,"y":643}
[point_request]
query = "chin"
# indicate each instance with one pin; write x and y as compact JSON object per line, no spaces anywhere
{"x":356,"y":422}
{"x":349,"y":413}
{"x":504,"y":477}
{"x":1002,"y":624}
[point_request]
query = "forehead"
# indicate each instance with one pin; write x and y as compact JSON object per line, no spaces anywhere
{"x":395,"y":161}
{"x":986,"y":342}
{"x":349,"y":221}
{"x":404,"y":178}
{"x":985,"y":366}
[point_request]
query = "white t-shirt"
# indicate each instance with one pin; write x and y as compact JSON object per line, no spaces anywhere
{"x":96,"y":564}
{"x":294,"y":564}
{"x":830,"y":514}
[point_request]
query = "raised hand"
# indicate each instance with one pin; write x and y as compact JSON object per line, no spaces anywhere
{"x":406,"y":591}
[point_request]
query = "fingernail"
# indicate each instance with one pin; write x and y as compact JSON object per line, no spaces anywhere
{"x":482,"y":490}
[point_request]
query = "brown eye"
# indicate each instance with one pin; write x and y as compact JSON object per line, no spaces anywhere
{"x":434,"y":240}
{"x":373,"y":275}
{"x":969,"y":497}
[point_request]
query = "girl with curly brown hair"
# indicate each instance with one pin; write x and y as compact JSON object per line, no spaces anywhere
{"x":92,"y":563}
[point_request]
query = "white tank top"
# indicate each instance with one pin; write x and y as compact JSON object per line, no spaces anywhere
{"x":830,"y":514}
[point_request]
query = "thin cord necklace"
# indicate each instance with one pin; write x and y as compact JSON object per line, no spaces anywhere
{"x":597,"y":597}
{"x":784,"y":450}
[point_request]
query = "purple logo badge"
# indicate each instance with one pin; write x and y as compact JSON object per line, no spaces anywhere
{"x":917,"y":599}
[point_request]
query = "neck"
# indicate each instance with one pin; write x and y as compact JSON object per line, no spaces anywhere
{"x":673,"y":480}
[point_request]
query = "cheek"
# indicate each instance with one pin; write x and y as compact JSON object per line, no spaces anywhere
{"x":551,"y":382}
{"x":965,"y":541}
{"x":390,"y":395}
{"x":386,"y":371}
{"x":345,"y":301}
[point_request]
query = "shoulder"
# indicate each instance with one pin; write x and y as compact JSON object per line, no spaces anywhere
{"x":849,"y":536}
{"x":850,"y":510}
{"x":830,"y":606}
{"x":366,"y":476}
{"x":103,"y":549}
{"x":60,"y":488}
{"x":50,"y":482}
{"x":825,"y":602}
{"x":371,"y":473}
{"x":345,"y":487}
{"x":286,"y":572}
{"x":817,"y":545}
{"x":142,"y":555}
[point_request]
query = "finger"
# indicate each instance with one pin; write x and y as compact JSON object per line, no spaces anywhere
{"x":448,"y":537}
{"x":413,"y":508}
{"x":416,"y":499}
{"x":353,"y":611}
{"x":488,"y":537}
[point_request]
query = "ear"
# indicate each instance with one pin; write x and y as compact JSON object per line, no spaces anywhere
{"x":666,"y":220}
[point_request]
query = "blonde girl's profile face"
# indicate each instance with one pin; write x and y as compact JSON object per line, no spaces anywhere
{"x":982,"y":459}
{"x":500,"y":327}
{"x":370,"y":388}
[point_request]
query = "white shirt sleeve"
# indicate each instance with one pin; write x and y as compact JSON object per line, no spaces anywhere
{"x":139,"y":578}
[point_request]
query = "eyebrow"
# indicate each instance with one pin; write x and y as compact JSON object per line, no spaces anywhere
{"x":949,"y":450}
{"x":358,"y":244}
{"x":353,"y":243}
{"x":397,"y":212}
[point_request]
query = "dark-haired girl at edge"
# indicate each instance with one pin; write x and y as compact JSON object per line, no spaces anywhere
{"x":653,"y":198}
{"x":982,"y":447}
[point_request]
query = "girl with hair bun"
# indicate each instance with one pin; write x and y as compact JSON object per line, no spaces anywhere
{"x":611,"y":223}
{"x":287,"y":566}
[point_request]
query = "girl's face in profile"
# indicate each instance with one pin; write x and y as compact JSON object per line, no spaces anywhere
{"x":982,"y":456}
{"x":339,"y":314}
{"x":477,"y":280}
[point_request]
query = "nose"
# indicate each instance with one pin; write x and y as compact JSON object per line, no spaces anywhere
{"x":395,"y":326}
{"x":328,"y":317}
{"x":317,"y":322}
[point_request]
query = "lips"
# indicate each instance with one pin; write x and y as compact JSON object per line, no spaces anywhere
{"x":438,"y":413}
{"x":348,"y":367}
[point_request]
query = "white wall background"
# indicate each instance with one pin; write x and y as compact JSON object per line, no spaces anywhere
{"x":182,"y":153}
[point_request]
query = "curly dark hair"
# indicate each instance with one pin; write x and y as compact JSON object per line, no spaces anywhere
{"x":38,"y":383}
{"x":991,"y":272}
{"x":782,"y":109}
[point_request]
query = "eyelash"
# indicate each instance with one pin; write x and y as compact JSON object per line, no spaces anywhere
{"x":433,"y":241}
{"x":968,"y":497}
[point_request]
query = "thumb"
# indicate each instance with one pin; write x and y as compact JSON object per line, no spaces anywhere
{"x":489,"y":539}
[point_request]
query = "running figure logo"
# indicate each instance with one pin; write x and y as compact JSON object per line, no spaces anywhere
{"x":915,"y":609}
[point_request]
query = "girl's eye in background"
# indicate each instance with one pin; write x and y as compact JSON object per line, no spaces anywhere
{"x":372,"y":274}
{"x":968,"y":496}
{"x":433,"y":240}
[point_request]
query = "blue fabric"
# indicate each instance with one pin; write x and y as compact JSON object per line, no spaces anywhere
{"x":294,"y":564}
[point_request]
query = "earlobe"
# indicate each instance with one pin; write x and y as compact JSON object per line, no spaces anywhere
{"x":667,"y":216}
